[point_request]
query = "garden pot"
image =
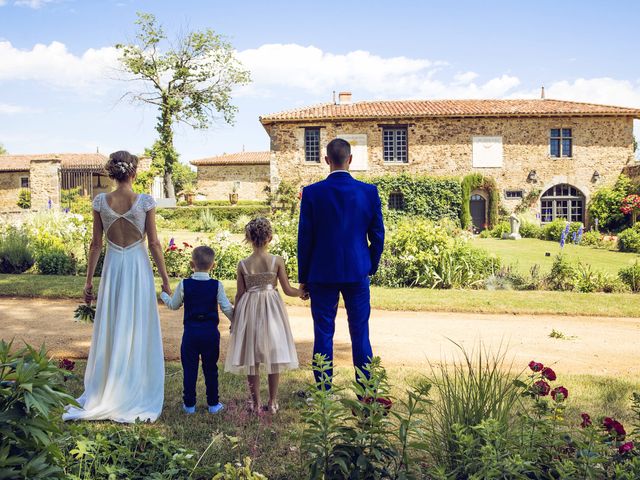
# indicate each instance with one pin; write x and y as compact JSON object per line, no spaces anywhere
{"x":189,"y":198}
{"x":233,"y":198}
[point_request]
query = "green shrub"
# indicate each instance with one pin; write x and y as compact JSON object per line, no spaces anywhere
{"x":372,"y":438}
{"x":631,"y":276}
{"x":530,"y":230}
{"x":239,"y":472}
{"x":629,"y":240}
{"x":24,"y":199}
{"x":32,"y":396}
{"x":56,"y":261}
{"x":593,"y":238}
{"x":420,"y":253}
{"x":553,"y":231}
{"x":223,"y":203}
{"x":477,"y":387}
{"x":136,"y":452}
{"x":563,"y":274}
{"x":500,"y":229}
{"x":604,"y":205}
{"x":285,"y":242}
{"x":189,"y":217}
{"x":428,"y":197}
{"x":505,"y":278}
{"x":228,"y":255}
{"x":15,"y":253}
{"x":207,"y":222}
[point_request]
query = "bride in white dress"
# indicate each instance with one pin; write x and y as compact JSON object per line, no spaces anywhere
{"x":124,"y":378}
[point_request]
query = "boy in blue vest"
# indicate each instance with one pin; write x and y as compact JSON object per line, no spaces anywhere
{"x":201,"y":296}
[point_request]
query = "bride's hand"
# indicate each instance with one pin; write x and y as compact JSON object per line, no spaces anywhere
{"x":88,"y":293}
{"x":166,"y":288}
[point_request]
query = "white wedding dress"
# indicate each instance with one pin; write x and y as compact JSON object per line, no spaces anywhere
{"x":124,"y":378}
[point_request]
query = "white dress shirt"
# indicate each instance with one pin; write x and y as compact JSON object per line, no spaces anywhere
{"x":175,"y":302}
{"x":340,"y":171}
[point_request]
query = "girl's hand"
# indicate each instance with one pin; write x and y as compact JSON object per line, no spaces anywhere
{"x":88,"y":293}
{"x":166,"y":288}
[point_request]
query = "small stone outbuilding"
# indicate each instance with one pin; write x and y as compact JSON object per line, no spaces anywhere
{"x":244,"y":173}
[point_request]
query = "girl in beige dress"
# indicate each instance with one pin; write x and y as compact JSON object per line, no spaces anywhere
{"x":260,"y":332}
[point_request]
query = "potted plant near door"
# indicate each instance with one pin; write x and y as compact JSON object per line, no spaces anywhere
{"x":188,"y":193}
{"x":233,"y":196}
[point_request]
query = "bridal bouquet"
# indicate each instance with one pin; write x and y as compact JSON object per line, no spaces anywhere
{"x":84,"y":313}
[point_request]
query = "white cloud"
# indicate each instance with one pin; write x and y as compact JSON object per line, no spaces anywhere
{"x":274,"y":66}
{"x":35,"y":4}
{"x":604,"y":90}
{"x":9,"y":109}
{"x":3,"y":3}
{"x":54,"y":65}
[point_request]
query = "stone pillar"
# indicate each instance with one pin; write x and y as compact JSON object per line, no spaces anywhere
{"x":45,"y":183}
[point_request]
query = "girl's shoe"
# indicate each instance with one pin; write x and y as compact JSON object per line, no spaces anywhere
{"x":273,"y":409}
{"x":216,"y":408}
{"x":188,"y":410}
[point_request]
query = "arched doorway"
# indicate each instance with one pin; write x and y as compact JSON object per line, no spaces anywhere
{"x":562,"y":201}
{"x":478,"y":209}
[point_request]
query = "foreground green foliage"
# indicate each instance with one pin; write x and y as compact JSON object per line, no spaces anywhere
{"x":32,"y":395}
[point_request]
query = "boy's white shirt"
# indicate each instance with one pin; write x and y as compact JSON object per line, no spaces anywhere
{"x":175,"y":302}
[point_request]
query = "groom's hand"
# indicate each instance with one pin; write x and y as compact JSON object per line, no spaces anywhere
{"x":305,"y":291}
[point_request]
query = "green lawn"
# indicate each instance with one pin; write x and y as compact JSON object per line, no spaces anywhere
{"x":522,"y":254}
{"x":405,"y":299}
{"x":273,"y":444}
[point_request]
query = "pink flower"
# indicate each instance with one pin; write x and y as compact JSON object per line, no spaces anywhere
{"x":559,"y":391}
{"x":614,"y":427}
{"x":541,"y":388}
{"x":625,"y":448}
{"x":549,"y":374}
{"x":535,"y":366}
{"x":66,"y":364}
{"x":586,"y":420}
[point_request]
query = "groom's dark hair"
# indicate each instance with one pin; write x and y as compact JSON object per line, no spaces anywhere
{"x":338,"y":151}
{"x":203,"y":257}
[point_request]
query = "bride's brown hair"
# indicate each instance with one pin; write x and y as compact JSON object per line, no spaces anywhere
{"x":258,"y":232}
{"x":121,"y":165}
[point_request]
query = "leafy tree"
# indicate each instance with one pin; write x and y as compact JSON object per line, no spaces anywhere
{"x":183,"y":177}
{"x":3,"y":151}
{"x":605,"y":204}
{"x":190,"y":82}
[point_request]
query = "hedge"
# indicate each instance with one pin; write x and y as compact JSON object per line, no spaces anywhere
{"x":222,"y":203}
{"x":186,"y":217}
{"x":432,"y":198}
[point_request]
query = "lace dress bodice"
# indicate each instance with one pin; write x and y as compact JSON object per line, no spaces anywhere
{"x":137,"y":214}
{"x":261,"y":280}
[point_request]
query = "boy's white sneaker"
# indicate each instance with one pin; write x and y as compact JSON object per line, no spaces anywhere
{"x":189,"y":410}
{"x":216,"y":408}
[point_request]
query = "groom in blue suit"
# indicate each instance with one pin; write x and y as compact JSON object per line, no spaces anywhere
{"x":340,"y":241}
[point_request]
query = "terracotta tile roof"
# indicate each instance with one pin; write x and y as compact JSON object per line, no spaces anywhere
{"x":392,"y":109}
{"x":19,"y":163}
{"x":241,"y":158}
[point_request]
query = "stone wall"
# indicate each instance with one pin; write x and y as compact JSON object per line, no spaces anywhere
{"x":443,"y":147}
{"x":45,"y":183}
{"x":9,"y":190}
{"x":216,"y":181}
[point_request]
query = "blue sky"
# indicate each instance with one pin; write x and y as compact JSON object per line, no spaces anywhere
{"x":58,"y":92}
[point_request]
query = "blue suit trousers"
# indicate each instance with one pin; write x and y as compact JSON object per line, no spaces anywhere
{"x":324,"y":307}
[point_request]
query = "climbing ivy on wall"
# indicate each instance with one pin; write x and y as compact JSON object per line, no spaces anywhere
{"x":476,"y":181}
{"x":433,"y":198}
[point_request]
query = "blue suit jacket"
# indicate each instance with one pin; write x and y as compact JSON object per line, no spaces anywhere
{"x":341,"y":232}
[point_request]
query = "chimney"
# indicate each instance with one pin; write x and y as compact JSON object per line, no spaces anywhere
{"x":344,"y":98}
{"x":542,"y":93}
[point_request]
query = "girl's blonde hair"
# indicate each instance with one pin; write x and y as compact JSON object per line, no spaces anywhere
{"x":258,"y":232}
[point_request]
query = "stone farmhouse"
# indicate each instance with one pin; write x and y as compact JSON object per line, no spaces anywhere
{"x":46,"y":175}
{"x":561,"y":150}
{"x":244,"y":173}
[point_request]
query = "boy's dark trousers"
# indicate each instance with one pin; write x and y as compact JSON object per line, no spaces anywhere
{"x":200,"y":340}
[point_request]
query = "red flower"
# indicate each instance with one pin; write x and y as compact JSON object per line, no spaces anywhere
{"x":625,"y":448}
{"x":385,"y":402}
{"x":173,"y":247}
{"x":548,"y":373}
{"x":559,"y":391}
{"x":535,"y":366}
{"x":586,"y":420}
{"x":66,"y":364}
{"x":186,"y":245}
{"x":541,"y":388}
{"x":614,"y":427}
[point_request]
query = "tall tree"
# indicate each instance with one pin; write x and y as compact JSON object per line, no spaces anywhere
{"x":3,"y":151}
{"x":189,"y":80}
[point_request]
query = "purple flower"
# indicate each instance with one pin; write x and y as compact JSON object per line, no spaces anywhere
{"x":559,"y":394}
{"x":562,"y":238}
{"x":625,"y":448}
{"x":580,"y":232}
{"x":574,"y":237}
{"x":49,"y":203}
{"x":535,"y":366}
{"x":586,"y":420}
{"x":172,"y":242}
